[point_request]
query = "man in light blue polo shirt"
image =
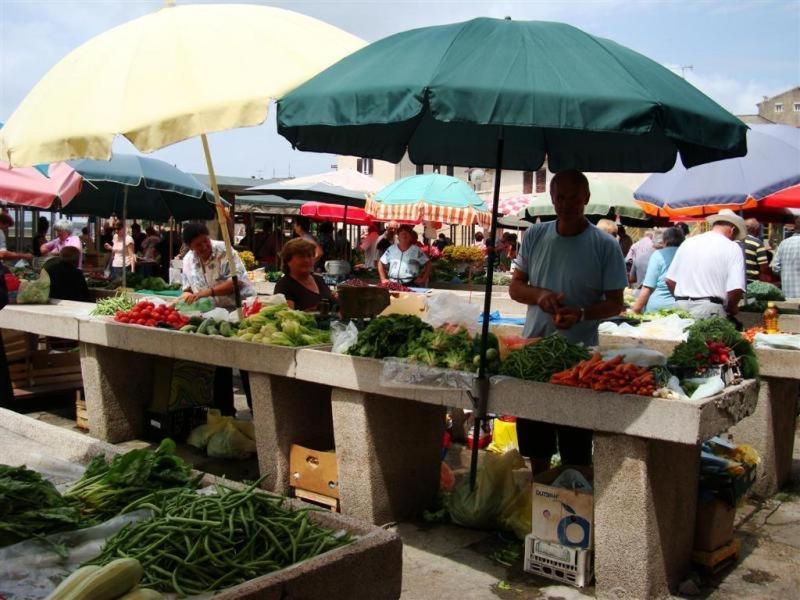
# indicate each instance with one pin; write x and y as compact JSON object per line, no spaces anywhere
{"x":571,"y":275}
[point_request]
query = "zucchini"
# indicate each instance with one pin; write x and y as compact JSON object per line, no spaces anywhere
{"x":196,"y":321}
{"x":188,"y":328}
{"x":66,"y":587}
{"x":109,"y":582}
{"x":143,"y":594}
{"x":212,"y":330}
{"x":225,"y":329}
{"x":203,"y":328}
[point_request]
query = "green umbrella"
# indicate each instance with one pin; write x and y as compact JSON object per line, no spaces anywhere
{"x":609,"y":199}
{"x":506,"y":94}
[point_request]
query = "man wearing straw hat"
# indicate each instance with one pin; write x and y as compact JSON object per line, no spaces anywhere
{"x":707,"y":274}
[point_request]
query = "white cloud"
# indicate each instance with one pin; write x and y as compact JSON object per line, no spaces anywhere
{"x":736,"y":95}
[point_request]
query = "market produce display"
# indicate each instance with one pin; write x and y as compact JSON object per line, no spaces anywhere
{"x":107,"y":488}
{"x":282,"y":326}
{"x":274,"y":276}
{"x":453,"y":348}
{"x":394,"y":286}
{"x":200,"y":543}
{"x":542,"y":360}
{"x":136,"y":281}
{"x":31,"y":506}
{"x":658,"y":314}
{"x":750,"y":334}
{"x":118,"y":580}
{"x":712,"y":343}
{"x":463,"y":254}
{"x":758,"y":294}
{"x":354,"y":282}
{"x":610,"y":375}
{"x":210,"y":326}
{"x":389,"y":336}
{"x":150,"y":315}
{"x":111,"y":306}
{"x":248,"y":259}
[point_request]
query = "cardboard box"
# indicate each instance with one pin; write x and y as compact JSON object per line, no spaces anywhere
{"x":562,"y":515}
{"x":314,"y":470}
{"x":714,"y":525}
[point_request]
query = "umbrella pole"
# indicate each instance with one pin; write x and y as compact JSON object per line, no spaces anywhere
{"x":483,"y":379}
{"x":212,"y":178}
{"x":124,"y":235}
{"x":346,"y":232}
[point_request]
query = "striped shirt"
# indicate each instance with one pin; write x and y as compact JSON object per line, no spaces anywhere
{"x":755,"y":255}
{"x":787,"y":263}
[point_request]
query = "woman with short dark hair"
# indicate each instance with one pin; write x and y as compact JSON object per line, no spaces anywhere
{"x":206,"y":272}
{"x":302,"y":288}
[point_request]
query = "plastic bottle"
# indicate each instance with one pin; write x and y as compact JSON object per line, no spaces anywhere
{"x":771,"y":318}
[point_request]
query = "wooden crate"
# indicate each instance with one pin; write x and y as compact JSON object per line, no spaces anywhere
{"x":720,"y":559}
{"x":42,"y":372}
{"x":81,"y":414}
{"x":18,"y":344}
{"x":314,"y":475}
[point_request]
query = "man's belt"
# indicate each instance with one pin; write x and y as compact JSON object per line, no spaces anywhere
{"x":713,"y":299}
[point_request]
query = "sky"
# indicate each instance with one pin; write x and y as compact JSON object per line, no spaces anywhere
{"x":737,"y":51}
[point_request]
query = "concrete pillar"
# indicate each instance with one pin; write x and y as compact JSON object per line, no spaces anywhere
{"x":770,"y":430}
{"x":388,"y":452}
{"x":645,"y":501}
{"x":288,"y":411}
{"x":117,"y":385}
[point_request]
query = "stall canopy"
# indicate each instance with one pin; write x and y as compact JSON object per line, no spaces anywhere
{"x":772,"y":164}
{"x":431,"y":197}
{"x":155,"y":190}
{"x":345,"y":187}
{"x":335,"y":213}
{"x":608,"y":199}
{"x":40,"y":187}
{"x":505,"y":94}
{"x":173,"y":74}
{"x":267,"y":205}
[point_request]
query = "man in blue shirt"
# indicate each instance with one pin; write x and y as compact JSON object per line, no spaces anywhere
{"x":571,"y":275}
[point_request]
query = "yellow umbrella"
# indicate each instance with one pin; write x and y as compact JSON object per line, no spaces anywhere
{"x":179,"y":72}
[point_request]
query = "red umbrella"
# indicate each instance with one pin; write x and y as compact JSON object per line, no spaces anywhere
{"x":335,"y":213}
{"x":786,"y":198}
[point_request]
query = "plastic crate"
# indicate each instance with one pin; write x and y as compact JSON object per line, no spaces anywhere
{"x":560,"y":563}
{"x":176,"y":424}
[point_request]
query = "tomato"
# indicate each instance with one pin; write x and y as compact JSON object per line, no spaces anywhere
{"x":150,"y":323}
{"x":124,"y":320}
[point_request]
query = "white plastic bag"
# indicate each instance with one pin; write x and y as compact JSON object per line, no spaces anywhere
{"x":343,"y":336}
{"x":218,"y":314}
{"x":449,"y":308}
{"x":571,"y":479}
{"x":710,"y":387}
{"x":639,"y":356}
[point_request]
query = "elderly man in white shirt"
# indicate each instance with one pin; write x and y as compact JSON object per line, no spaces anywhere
{"x":707,"y":274}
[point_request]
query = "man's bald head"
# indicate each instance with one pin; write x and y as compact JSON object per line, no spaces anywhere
{"x":572,"y":176}
{"x":753,"y":227}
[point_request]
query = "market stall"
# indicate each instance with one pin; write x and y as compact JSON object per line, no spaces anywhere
{"x":358,"y":410}
{"x":326,"y":555}
{"x":770,"y":430}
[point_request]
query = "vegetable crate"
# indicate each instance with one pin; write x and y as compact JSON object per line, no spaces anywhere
{"x":560,"y":563}
{"x":314,"y":476}
{"x":175,"y":424}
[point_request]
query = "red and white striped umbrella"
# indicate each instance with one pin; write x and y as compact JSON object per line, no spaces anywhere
{"x":514,"y":204}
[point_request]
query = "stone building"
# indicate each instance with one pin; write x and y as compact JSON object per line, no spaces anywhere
{"x":783,"y":109}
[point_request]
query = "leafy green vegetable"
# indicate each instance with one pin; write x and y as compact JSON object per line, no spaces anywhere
{"x":539,"y":361}
{"x":694,"y":352}
{"x":106,"y":488}
{"x":759,"y":293}
{"x":389,"y":336}
{"x":31,"y":506}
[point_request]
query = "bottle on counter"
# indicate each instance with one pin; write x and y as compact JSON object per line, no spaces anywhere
{"x":771,"y":316}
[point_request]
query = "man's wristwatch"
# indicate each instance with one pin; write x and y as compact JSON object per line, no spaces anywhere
{"x":583,"y":315}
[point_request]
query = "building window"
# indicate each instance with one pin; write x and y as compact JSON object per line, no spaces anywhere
{"x":797,"y":107}
{"x":420,"y":169}
{"x":527,"y":182}
{"x":451,"y":171}
{"x":541,"y":181}
{"x":364,"y":165}
{"x":779,"y":107}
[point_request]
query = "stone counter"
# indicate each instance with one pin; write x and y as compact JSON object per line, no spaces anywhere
{"x":370,"y":567}
{"x":57,"y":319}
